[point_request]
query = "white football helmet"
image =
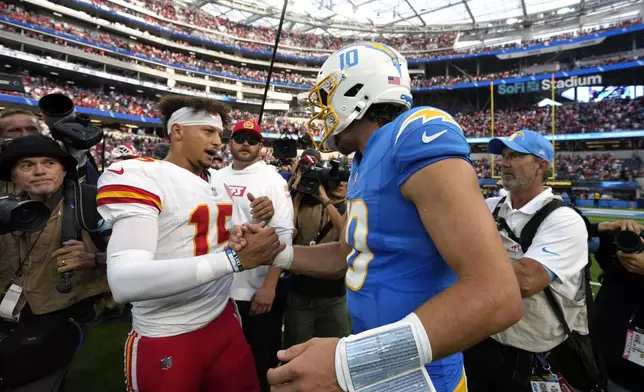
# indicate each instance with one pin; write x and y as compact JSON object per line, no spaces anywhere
{"x":350,"y":81}
{"x":123,"y":151}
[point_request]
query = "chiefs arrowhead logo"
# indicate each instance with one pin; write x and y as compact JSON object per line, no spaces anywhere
{"x":249,"y":125}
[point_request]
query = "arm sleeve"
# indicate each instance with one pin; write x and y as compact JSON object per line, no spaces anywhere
{"x":127,"y":189}
{"x":418,"y":143}
{"x":282,"y":220}
{"x":135,"y":275}
{"x":561,"y":245}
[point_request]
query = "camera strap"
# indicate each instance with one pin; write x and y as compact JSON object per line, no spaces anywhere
{"x":324,"y":230}
{"x":18,"y":272}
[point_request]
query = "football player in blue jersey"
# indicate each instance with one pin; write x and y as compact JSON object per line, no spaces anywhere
{"x":427,"y":273}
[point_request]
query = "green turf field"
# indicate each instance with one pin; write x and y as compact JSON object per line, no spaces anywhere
{"x":99,"y":366}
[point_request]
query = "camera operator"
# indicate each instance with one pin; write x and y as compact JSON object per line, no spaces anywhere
{"x":620,"y":302}
{"x":309,"y":158}
{"x":317,"y":307}
{"x":15,"y":123}
{"x":549,"y":251}
{"x":256,"y":291}
{"x":40,"y":328}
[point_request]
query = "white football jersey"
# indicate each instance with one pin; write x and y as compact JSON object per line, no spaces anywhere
{"x":192,"y":216}
{"x":259,"y":179}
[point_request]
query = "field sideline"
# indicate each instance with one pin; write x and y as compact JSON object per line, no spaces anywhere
{"x":99,"y":366}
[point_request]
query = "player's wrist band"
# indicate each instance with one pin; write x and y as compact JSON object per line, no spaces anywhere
{"x":378,"y":354}
{"x":284,"y":259}
{"x":233,"y":258}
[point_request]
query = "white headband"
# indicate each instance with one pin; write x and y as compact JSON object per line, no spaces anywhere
{"x":188,"y":116}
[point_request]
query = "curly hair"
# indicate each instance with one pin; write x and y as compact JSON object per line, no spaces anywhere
{"x":384,"y":113}
{"x":171,"y":103}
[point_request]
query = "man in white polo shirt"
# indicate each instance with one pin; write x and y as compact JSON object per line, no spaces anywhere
{"x":254,"y":290}
{"x":556,"y":259}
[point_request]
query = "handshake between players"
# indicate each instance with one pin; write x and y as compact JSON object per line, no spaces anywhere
{"x":254,"y":245}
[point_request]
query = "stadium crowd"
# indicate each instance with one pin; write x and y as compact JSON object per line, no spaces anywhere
{"x":193,"y":63}
{"x":603,"y":116}
{"x":412,"y":46}
{"x":166,"y":55}
{"x":591,"y":167}
{"x":202,"y":19}
{"x":575,"y":117}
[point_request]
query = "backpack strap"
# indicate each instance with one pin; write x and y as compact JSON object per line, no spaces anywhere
{"x":495,"y":213}
{"x":530,"y":229}
{"x":501,"y":224}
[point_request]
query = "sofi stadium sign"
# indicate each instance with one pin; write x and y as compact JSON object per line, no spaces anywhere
{"x":536,"y":86}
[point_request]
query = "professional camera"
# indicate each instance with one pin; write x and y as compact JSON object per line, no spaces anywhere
{"x":75,"y":130}
{"x":321,"y":173}
{"x":78,"y":134}
{"x":22,"y":215}
{"x":629,"y":242}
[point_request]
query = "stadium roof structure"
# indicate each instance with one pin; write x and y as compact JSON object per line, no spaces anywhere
{"x":369,"y":17}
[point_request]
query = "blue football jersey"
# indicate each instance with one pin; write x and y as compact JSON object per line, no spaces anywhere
{"x":394,"y":266}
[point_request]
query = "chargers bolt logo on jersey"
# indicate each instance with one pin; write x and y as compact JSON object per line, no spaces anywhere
{"x":427,"y":115}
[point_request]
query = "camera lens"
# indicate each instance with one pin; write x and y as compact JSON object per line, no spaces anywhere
{"x":629,"y":242}
{"x":29,"y":216}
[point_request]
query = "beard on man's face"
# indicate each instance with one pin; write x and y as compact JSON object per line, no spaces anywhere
{"x":245,"y":153}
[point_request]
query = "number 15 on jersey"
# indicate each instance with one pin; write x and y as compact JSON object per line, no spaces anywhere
{"x":355,"y":234}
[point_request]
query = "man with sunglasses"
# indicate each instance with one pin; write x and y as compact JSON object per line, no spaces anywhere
{"x":254,"y":290}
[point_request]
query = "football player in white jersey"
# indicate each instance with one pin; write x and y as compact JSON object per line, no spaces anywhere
{"x":166,"y":256}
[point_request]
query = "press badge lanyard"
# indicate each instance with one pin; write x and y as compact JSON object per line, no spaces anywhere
{"x":634,"y":346}
{"x":549,"y":382}
{"x":12,"y":296}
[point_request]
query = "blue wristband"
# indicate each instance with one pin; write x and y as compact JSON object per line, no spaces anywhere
{"x":234,"y":260}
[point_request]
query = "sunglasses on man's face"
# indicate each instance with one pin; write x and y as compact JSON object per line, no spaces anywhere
{"x":252,"y":139}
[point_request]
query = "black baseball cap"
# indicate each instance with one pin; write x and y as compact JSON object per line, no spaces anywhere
{"x":34,"y":146}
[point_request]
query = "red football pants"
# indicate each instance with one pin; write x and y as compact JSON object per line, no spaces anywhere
{"x":215,"y":358}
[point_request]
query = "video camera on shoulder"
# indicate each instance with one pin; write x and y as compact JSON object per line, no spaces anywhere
{"x":321,"y":173}
{"x":73,"y":129}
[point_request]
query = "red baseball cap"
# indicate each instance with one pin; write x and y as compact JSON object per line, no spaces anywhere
{"x":247,"y":126}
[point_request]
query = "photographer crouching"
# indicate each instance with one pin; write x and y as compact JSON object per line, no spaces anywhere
{"x":43,"y":316}
{"x":317,"y":307}
{"x":620,"y":302}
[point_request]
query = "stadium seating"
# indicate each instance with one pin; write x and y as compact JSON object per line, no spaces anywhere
{"x":571,"y":118}
{"x":442,"y":43}
{"x":592,"y":167}
{"x":169,"y":56}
